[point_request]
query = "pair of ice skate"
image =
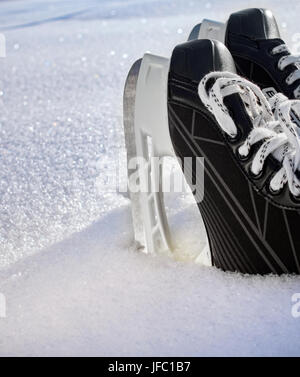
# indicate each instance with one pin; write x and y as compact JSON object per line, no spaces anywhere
{"x":229,"y":95}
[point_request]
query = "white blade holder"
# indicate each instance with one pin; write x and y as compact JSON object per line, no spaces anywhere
{"x":147,"y":135}
{"x":209,"y":29}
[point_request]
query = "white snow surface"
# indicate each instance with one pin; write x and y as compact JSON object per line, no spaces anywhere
{"x":73,"y":283}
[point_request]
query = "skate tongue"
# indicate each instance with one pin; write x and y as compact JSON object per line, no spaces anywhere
{"x":254,"y":23}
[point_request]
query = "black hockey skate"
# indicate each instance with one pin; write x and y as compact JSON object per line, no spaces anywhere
{"x":253,"y":38}
{"x":197,"y":106}
{"x":251,"y":200}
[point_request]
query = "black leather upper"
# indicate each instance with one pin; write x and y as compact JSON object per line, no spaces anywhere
{"x":251,"y":36}
{"x":254,"y":23}
{"x":213,"y":55}
{"x":249,"y":228}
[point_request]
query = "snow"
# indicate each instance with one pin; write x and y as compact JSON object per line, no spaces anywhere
{"x":72,"y":281}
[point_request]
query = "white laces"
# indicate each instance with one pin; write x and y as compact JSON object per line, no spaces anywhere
{"x":287,"y":60}
{"x":277,"y":100}
{"x":277,"y":137}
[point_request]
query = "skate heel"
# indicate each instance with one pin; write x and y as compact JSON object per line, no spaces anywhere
{"x":147,"y":136}
{"x":209,"y":29}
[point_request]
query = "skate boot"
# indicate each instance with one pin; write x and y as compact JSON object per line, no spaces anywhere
{"x":253,"y":38}
{"x":196,"y":106}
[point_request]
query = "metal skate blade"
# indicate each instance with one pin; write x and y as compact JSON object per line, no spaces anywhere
{"x":195,"y":33}
{"x":129,"y":131}
{"x":209,"y":29}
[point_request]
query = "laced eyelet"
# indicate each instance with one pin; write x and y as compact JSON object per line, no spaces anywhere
{"x":274,"y":192}
{"x":256,"y":176}
{"x":270,"y":51}
{"x":280,"y":69}
{"x":234,"y":139}
{"x":241,"y":157}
